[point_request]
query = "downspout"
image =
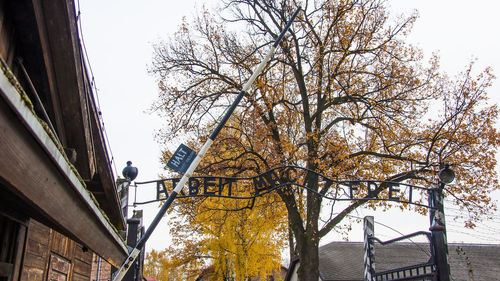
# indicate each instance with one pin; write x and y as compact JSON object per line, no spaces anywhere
{"x":98,"y":268}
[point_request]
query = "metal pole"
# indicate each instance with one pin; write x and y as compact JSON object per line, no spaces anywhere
{"x":136,"y":251}
{"x":438,"y":232}
{"x":369,"y":228}
{"x":98,"y":277}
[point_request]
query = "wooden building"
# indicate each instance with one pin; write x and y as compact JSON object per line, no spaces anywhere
{"x":59,"y":203}
{"x":343,"y":261}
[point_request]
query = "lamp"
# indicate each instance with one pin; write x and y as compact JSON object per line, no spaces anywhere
{"x":130,"y":172}
{"x":446,"y":175}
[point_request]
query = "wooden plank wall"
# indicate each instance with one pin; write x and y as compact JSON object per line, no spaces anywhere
{"x":82,"y":262}
{"x":101,"y":267}
{"x":36,"y":252}
{"x":50,"y":255}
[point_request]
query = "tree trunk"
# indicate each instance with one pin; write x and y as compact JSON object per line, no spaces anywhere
{"x":291,"y":243}
{"x":309,"y":259}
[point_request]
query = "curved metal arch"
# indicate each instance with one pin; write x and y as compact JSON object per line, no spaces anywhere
{"x":279,"y":177}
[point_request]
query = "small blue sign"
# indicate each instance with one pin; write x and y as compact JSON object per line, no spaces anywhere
{"x":181,"y":159}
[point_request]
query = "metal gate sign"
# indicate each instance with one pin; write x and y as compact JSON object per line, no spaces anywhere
{"x":181,"y":159}
{"x":290,"y":176}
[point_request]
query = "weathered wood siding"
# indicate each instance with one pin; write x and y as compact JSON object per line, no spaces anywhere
{"x":100,"y":267}
{"x":36,"y":253}
{"x":50,"y":255}
{"x":82,"y":261}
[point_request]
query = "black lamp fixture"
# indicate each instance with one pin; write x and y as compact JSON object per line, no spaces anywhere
{"x":446,"y":175}
{"x":130,"y":172}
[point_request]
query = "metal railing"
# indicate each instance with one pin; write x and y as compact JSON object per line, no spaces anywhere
{"x":421,"y":271}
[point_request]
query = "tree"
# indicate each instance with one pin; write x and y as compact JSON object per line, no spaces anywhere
{"x":344,"y":96}
{"x":153,"y":266}
{"x":220,"y":238}
{"x":225,"y":237}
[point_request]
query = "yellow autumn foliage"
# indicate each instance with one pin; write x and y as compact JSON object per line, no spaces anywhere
{"x":344,"y":96}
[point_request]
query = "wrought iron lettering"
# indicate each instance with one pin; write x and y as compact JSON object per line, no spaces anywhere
{"x":290,"y":177}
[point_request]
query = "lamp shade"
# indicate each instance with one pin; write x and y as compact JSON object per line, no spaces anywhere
{"x":446,"y":175}
{"x":130,"y":172}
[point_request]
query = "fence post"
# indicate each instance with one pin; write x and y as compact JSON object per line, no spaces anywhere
{"x":438,"y":234}
{"x":438,"y":224}
{"x":368,"y":227}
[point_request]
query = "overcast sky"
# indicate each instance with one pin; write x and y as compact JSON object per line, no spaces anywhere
{"x":119,"y":34}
